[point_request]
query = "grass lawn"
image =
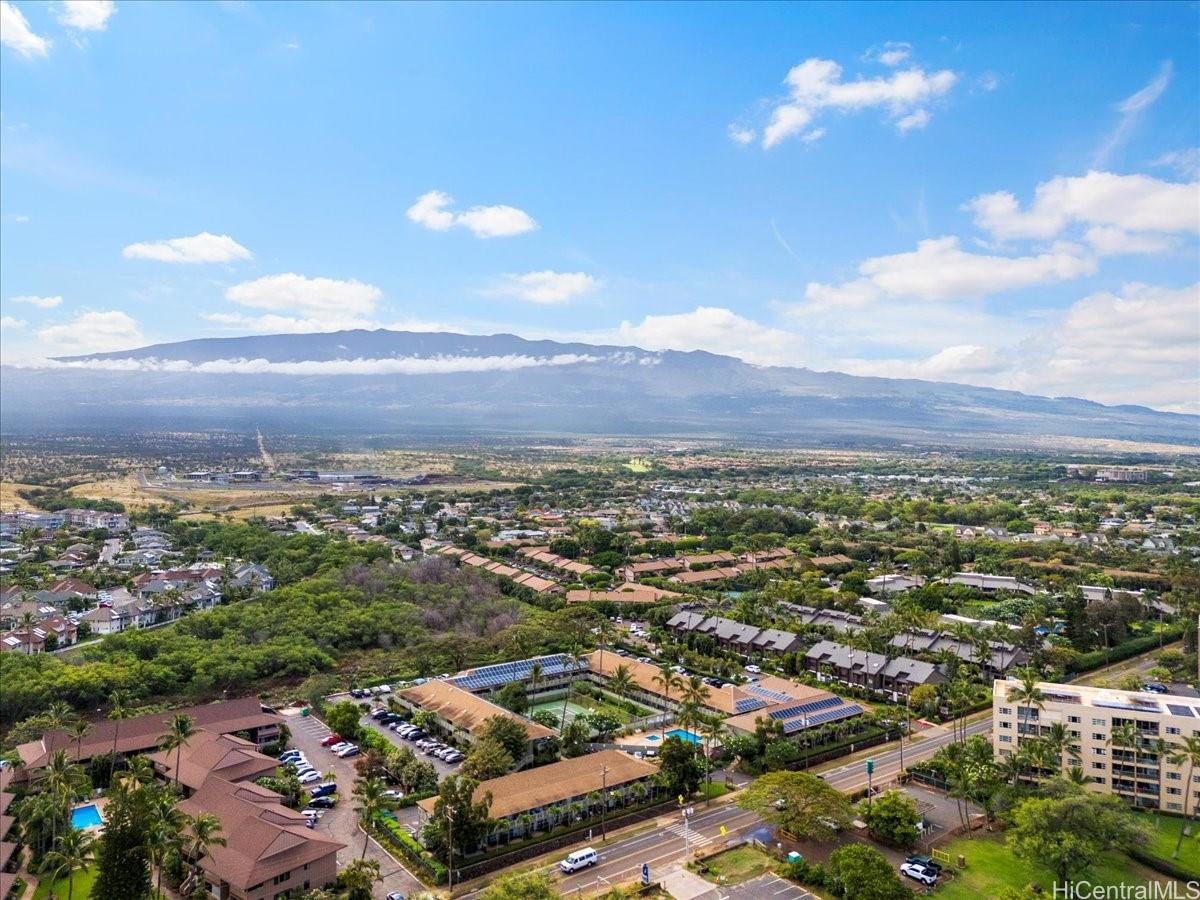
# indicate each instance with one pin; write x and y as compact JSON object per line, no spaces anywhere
{"x":1163,"y":838}
{"x":737,"y":865}
{"x":716,"y":789}
{"x":992,"y":869}
{"x":81,"y":889}
{"x":580,"y":704}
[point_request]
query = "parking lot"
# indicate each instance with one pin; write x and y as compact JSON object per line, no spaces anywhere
{"x":341,"y":822}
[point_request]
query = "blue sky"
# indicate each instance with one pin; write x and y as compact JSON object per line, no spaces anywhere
{"x":845,"y":187}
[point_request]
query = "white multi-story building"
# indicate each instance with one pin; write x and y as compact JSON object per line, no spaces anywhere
{"x":1090,"y":715}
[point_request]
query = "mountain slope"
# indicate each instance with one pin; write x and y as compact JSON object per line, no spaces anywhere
{"x":386,"y":382}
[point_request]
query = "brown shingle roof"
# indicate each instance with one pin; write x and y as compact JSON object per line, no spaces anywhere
{"x":208,"y":753}
{"x":464,"y":709}
{"x":545,"y":785}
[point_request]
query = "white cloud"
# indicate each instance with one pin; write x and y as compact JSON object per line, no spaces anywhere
{"x":432,"y":211}
{"x":39,"y":302}
{"x":717,"y":330}
{"x":1185,"y":162}
{"x":323,"y":299}
{"x":401,"y":365}
{"x":940,"y":270}
{"x":1108,"y":240}
{"x":199,"y":248}
{"x":86,"y":15}
{"x":811,"y":137}
{"x":92,"y":332}
{"x":816,"y":85}
{"x":1134,"y":346}
{"x":1131,"y":110}
{"x":12,"y":322}
{"x":1130,"y":202}
{"x":891,"y":53}
{"x":916,"y":119}
{"x":741,"y":135}
{"x":16,"y":34}
{"x":547,"y":286}
{"x":277,"y":324}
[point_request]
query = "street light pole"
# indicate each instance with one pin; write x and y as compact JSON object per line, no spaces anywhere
{"x":449,"y":849}
{"x":604,"y":804}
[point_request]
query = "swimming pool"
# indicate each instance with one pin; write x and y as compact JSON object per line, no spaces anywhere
{"x":86,"y":816}
{"x":684,"y":735}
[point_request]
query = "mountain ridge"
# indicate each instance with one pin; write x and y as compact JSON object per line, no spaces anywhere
{"x":503,"y":382}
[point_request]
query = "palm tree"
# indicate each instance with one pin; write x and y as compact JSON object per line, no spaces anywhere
{"x":1187,"y":752}
{"x":1126,"y":737}
{"x":604,"y":632}
{"x":1159,"y":749}
{"x":525,"y":823}
{"x":73,"y":852}
{"x":668,"y":680}
{"x":571,"y":660}
{"x":77,"y":731}
{"x":178,"y":734}
{"x":696,"y":692}
{"x":1058,"y":741}
{"x":61,"y":780}
{"x":369,"y":792}
{"x":206,"y":832}
{"x":713,"y":732}
{"x":621,"y":682}
{"x":118,"y":710}
{"x":58,"y":715}
{"x":535,"y":677}
{"x":166,"y":827}
{"x":1027,"y":695}
{"x":1076,"y":775}
{"x":360,"y":878}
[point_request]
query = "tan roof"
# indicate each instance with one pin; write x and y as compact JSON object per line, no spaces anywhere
{"x":718,"y":574}
{"x":464,"y":709}
{"x":705,"y":558}
{"x":838,"y":559}
{"x":546,"y":785}
{"x":142,"y":733}
{"x":263,"y":837}
{"x":207,"y":753}
{"x":534,"y":583}
{"x":630,"y":593}
{"x":798,"y":693}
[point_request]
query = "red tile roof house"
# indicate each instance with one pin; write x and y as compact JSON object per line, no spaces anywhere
{"x":143,"y":733}
{"x":269,"y":852}
{"x":33,"y":639}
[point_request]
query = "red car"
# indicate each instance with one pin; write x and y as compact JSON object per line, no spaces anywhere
{"x":331,"y":740}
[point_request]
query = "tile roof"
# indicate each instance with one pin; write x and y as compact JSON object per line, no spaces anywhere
{"x":464,"y":709}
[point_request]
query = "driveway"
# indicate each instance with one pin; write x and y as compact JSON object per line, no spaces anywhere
{"x":765,"y":887}
{"x":341,"y":822}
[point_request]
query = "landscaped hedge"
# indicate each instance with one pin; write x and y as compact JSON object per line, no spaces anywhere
{"x":1167,"y":867}
{"x":411,"y":799}
{"x":391,"y":831}
{"x":1094,"y":659}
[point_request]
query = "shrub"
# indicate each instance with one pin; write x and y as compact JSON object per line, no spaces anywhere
{"x":407,"y":845}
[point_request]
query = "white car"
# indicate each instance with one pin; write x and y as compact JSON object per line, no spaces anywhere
{"x":918,"y":872}
{"x":310,"y":777}
{"x":338,"y":748}
{"x":394,"y":795}
{"x":352,"y":750}
{"x":754,"y":670}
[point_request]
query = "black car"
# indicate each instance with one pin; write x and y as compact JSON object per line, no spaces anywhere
{"x":390,"y":718}
{"x":322,"y":803}
{"x":357,"y":692}
{"x":1155,"y":687}
{"x":927,"y":861}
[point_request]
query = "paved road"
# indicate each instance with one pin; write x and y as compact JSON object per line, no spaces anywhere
{"x":764,"y":887}
{"x":341,"y":822}
{"x":853,"y":776}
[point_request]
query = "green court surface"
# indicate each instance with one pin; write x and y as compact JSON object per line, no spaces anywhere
{"x":555,"y":708}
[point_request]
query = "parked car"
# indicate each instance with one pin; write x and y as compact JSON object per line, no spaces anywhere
{"x":332,"y":739}
{"x":323,"y":790}
{"x":454,"y":757}
{"x":348,"y":752}
{"x":289,"y":754}
{"x":391,"y":719}
{"x":338,"y":748}
{"x":384,"y":689}
{"x":309,"y":777}
{"x":378,"y":714}
{"x":394,"y":795}
{"x":918,"y":872}
{"x":1155,"y":687}
{"x":395,"y":895}
{"x":357,"y":693}
{"x":927,"y":861}
{"x":754,"y":670}
{"x":416,"y":734}
{"x":322,"y":803}
{"x":644,"y":659}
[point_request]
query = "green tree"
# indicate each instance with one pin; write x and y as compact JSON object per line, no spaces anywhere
{"x":460,"y":820}
{"x":1070,"y":829}
{"x":205,"y":832}
{"x":488,"y":759}
{"x":521,"y":886}
{"x":370,"y":800}
{"x":1186,"y":752}
{"x":801,"y":804}
{"x":343,"y":719}
{"x":892,"y":817}
{"x":508,"y":733}
{"x":123,"y":863}
{"x":863,"y":873}
{"x":512,"y":696}
{"x":179,"y":732}
{"x":679,"y":767}
{"x":359,"y":878}
{"x":72,"y":853}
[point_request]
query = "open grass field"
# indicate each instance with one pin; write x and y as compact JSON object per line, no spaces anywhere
{"x":10,"y":499}
{"x":993,"y":869}
{"x":1163,"y":838}
{"x":736,"y":865}
{"x":82,"y":886}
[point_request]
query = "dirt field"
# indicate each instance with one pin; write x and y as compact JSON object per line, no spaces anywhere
{"x":10,"y":499}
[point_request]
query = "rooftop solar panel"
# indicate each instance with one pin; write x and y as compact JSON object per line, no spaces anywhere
{"x":1178,"y":710}
{"x":801,"y":709}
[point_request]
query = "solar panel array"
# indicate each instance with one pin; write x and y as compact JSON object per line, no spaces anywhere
{"x":1180,"y":710}
{"x":770,"y":695}
{"x":748,"y":704}
{"x":803,"y":709}
{"x":490,"y":676}
{"x":1128,"y":707}
{"x":791,"y":726}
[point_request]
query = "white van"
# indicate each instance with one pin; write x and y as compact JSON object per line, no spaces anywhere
{"x":580,"y":859}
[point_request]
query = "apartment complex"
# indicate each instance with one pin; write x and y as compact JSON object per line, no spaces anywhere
{"x":1091,"y":715}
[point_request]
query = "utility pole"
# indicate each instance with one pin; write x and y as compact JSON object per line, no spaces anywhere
{"x":604,"y":804}
{"x":449,"y":849}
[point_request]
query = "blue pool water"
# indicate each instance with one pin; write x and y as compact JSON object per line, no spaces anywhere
{"x":652,"y":737}
{"x":86,"y":817}
{"x":684,"y":735}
